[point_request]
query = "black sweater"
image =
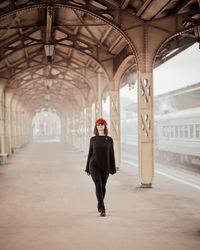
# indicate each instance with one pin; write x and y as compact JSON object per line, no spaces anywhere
{"x":101,"y":154}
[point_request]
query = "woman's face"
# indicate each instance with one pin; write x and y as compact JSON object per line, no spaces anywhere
{"x":100,"y":126}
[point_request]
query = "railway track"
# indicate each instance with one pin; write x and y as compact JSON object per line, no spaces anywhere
{"x":191,"y":179}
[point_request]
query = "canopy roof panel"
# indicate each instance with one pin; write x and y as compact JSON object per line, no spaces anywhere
{"x":84,"y":34}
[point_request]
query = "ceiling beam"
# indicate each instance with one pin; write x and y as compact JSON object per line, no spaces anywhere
{"x":90,"y":32}
{"x":143,"y":8}
{"x":107,"y":33}
{"x":14,"y":38}
{"x":38,"y":25}
{"x":161,"y":10}
{"x":49,"y":24}
{"x":182,"y":5}
{"x":124,"y":4}
{"x":115,"y":44}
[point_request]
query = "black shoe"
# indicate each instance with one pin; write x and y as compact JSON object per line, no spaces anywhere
{"x":103,"y":213}
{"x":100,"y":208}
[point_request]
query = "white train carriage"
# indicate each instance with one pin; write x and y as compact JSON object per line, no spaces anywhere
{"x":129,"y":131}
{"x":177,"y":135}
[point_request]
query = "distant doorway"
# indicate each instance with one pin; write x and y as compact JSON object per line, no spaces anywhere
{"x":46,"y":127}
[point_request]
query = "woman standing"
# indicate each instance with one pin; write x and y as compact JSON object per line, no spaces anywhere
{"x":101,"y":161}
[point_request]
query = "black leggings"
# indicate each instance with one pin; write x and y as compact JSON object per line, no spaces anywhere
{"x":100,"y":180}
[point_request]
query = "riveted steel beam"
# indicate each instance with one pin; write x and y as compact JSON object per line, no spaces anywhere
{"x":49,"y":19}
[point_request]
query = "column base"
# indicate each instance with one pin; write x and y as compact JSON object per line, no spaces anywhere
{"x":3,"y":159}
{"x":146,"y":185}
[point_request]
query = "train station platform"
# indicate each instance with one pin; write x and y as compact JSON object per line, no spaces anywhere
{"x":47,"y":202}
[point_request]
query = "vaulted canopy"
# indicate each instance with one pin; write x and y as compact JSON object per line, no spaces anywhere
{"x":85,"y":37}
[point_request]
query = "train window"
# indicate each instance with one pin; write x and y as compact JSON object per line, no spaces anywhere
{"x":159,"y":131}
{"x":197,"y":130}
{"x":165,"y":128}
{"x":163,"y":131}
{"x":186,"y":131}
{"x":176,"y":131}
{"x":181,"y":131}
{"x":172,"y":131}
{"x":191,"y":131}
{"x":167,"y":131}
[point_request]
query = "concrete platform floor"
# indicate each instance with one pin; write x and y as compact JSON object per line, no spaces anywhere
{"x":47,"y":202}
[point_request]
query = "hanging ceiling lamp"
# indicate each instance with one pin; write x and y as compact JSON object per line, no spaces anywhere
{"x":49,"y":49}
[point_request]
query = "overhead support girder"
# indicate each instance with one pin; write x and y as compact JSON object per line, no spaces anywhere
{"x":23,"y":90}
{"x":53,"y":101}
{"x":54,"y":65}
{"x":16,"y":37}
{"x":85,"y":77}
{"x":67,"y":6}
{"x":57,"y":95}
{"x":38,"y":108}
{"x":119,"y":22}
{"x":81,"y":96}
{"x":54,"y":97}
{"x":23,"y":47}
{"x":35,"y":96}
{"x":49,"y":20}
{"x":101,"y":56}
{"x":119,"y":15}
{"x":36,"y":68}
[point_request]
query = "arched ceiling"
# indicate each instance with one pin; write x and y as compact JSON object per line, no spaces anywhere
{"x":83,"y":43}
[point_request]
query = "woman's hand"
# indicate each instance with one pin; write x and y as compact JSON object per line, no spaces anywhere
{"x":88,"y":173}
